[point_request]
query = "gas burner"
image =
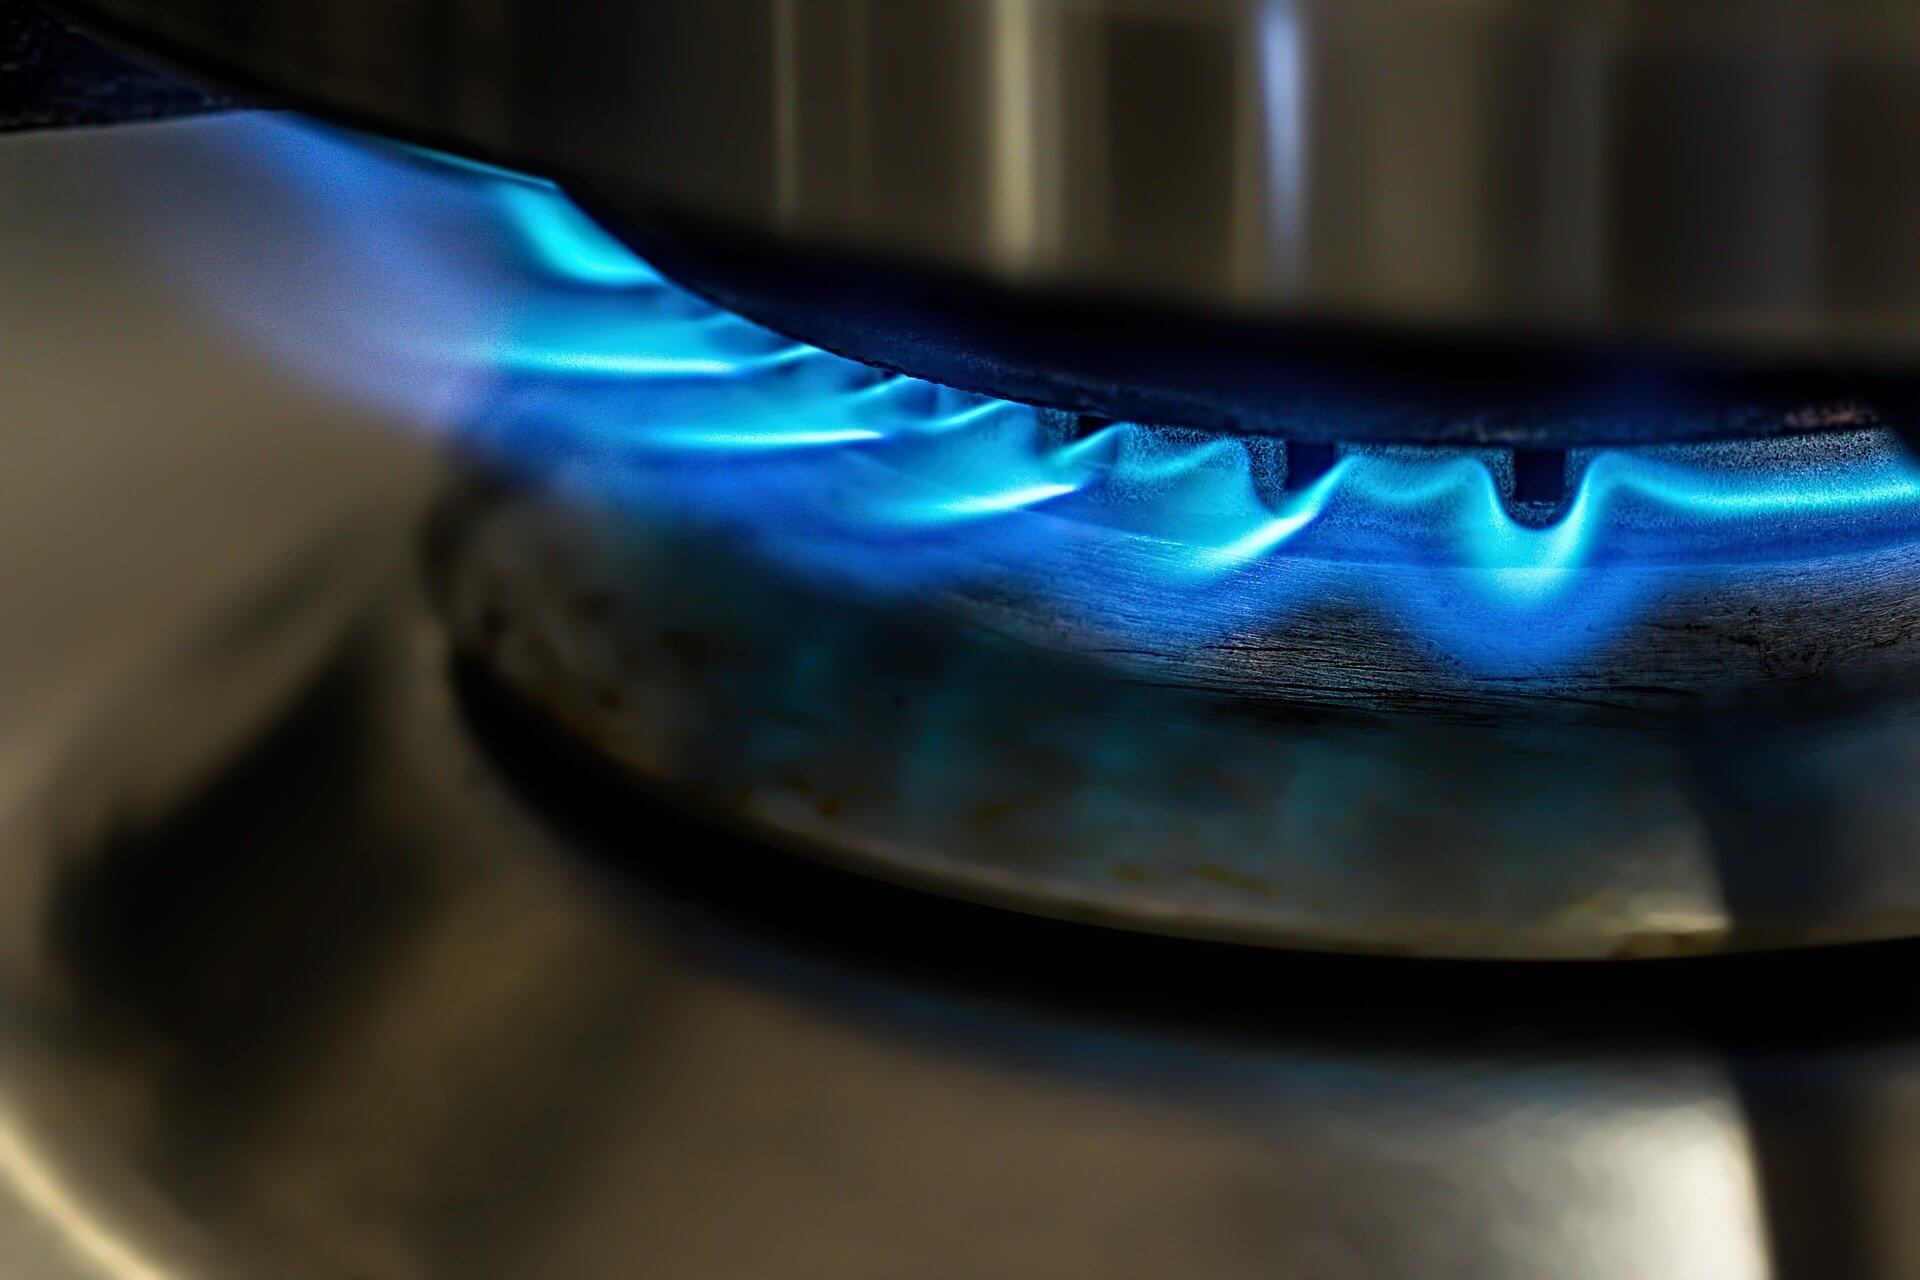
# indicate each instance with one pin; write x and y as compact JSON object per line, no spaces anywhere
{"x":457,"y":925}
{"x":1469,"y":701}
{"x":1446,"y":578}
{"x":460,"y":292}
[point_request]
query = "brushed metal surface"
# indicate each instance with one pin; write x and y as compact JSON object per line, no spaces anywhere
{"x":1740,"y":173}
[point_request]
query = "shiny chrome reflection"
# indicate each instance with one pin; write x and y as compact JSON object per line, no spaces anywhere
{"x":1737,"y":171}
{"x":411,"y":989}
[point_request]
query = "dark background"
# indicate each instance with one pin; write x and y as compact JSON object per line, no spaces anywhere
{"x":53,"y":76}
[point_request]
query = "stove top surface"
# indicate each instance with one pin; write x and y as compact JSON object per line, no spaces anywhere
{"x":405,"y":986}
{"x":319,"y":958}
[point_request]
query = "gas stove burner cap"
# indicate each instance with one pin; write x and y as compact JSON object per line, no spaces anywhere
{"x":1465,"y":700}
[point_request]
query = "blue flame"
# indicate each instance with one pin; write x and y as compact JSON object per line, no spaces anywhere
{"x":573,"y":357}
{"x":568,"y":238}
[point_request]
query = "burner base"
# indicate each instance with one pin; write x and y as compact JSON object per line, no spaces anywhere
{"x":938,"y":745}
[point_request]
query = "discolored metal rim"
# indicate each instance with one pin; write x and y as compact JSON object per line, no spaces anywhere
{"x":1286,"y":798}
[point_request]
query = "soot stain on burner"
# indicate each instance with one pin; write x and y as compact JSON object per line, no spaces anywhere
{"x":852,"y":940}
{"x":899,"y":741}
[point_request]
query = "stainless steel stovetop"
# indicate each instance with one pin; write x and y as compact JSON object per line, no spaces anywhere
{"x":318,"y":959}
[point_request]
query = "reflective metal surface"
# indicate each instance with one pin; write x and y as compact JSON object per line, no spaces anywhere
{"x":406,"y":988}
{"x":368,"y":977}
{"x":1305,"y":781}
{"x":358,"y":1008}
{"x":1740,"y":172}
